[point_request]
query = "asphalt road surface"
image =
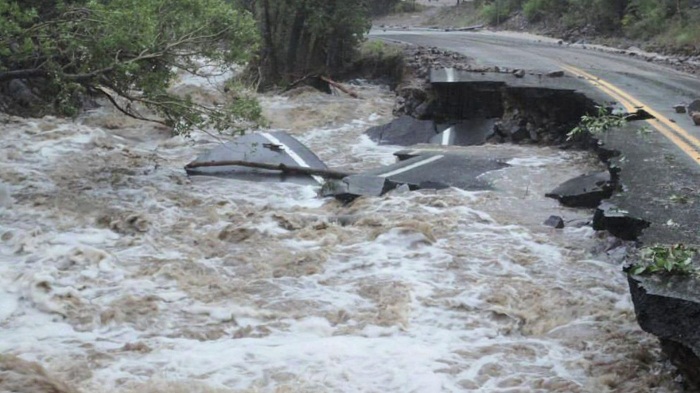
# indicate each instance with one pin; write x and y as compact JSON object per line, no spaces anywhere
{"x":660,"y":165}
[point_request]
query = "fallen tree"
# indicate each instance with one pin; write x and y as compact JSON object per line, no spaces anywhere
{"x":54,"y":53}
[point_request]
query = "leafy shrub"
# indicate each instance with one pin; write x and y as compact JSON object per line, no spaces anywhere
{"x":408,"y":6}
{"x":495,"y":13}
{"x":535,"y":10}
{"x":379,"y":49}
{"x":676,"y":259}
{"x":681,"y":35}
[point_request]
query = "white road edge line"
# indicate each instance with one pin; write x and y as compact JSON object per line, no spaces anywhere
{"x":297,"y":158}
{"x":412,"y":166}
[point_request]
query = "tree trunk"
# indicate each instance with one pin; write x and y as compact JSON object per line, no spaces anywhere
{"x":294,"y":38}
{"x":271,"y":53}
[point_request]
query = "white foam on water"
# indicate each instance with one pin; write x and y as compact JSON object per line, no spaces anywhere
{"x":117,"y":272}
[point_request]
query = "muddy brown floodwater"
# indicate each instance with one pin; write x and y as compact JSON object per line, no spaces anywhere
{"x":120,"y":274}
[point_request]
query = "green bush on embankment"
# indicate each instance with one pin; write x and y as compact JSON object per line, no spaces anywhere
{"x":671,"y":26}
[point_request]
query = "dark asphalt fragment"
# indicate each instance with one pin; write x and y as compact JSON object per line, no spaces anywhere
{"x":584,"y":191}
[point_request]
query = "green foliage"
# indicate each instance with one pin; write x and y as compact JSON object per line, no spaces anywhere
{"x":467,"y":14}
{"x":383,"y":7}
{"x":406,"y":6}
{"x":302,"y":37}
{"x":496,"y":12}
{"x":379,"y":50}
{"x":125,"y":49}
{"x":670,"y":25}
{"x":378,"y":60}
{"x":597,"y":123}
{"x":675,"y":259}
{"x":679,"y":34}
{"x":535,"y":10}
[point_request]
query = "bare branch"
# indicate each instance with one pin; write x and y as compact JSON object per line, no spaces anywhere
{"x":297,"y":170}
{"x":126,"y":111}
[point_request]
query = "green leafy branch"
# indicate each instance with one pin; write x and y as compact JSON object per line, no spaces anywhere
{"x":675,"y":259}
{"x":596,"y":124}
{"x":128,"y":51}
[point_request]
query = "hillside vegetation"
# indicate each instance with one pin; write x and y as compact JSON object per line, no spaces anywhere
{"x":670,"y":26}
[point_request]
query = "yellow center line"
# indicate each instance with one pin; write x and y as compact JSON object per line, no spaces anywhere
{"x":680,"y":137}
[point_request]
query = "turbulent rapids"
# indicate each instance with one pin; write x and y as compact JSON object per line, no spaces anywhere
{"x":118,"y":273}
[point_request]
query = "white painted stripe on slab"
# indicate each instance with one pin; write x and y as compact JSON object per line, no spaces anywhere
{"x":446,"y":137}
{"x":297,"y":158}
{"x":450,"y":74}
{"x":412,"y":166}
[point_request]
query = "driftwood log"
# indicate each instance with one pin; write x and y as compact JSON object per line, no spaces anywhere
{"x":340,"y":87}
{"x":288,"y":169}
{"x":322,"y":83}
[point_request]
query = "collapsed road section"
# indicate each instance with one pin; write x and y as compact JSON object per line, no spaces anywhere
{"x":462,"y":108}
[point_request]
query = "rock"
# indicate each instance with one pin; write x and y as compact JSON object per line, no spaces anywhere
{"x":519,"y":134}
{"x":519,"y":73}
{"x":555,"y":74}
{"x":639,"y":114}
{"x":404,"y":131}
{"x":554,"y":222}
{"x":680,"y":108}
{"x":410,"y":98}
{"x":696,"y":118}
{"x":694,"y":107}
{"x":618,"y":222}
{"x":515,"y":130}
{"x":673,"y":319}
{"x":584,"y":191}
{"x":424,"y":110}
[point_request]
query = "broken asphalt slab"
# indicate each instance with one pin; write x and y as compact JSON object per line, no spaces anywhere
{"x":403,"y":131}
{"x":407,"y":131}
{"x":618,"y":222}
{"x":584,"y":191}
{"x":425,"y":170}
{"x":272,"y":148}
{"x":667,"y":307}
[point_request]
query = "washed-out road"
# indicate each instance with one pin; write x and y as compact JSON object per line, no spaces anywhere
{"x":660,"y":158}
